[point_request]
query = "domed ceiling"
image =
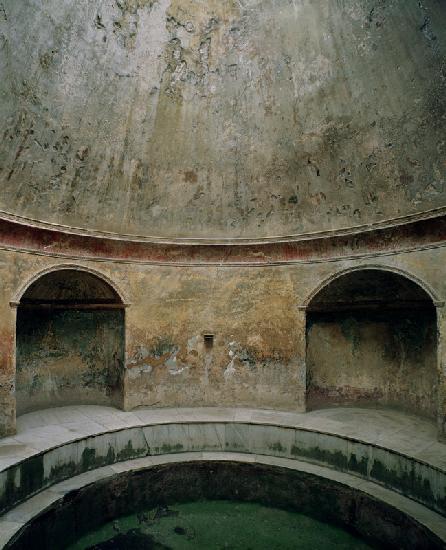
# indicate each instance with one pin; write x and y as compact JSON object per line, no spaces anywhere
{"x":222,"y":119}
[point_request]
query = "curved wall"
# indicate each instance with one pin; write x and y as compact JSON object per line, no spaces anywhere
{"x":257,"y":314}
{"x":207,"y":119}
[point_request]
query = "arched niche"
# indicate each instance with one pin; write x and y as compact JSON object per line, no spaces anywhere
{"x":70,"y":342}
{"x":372,"y":340}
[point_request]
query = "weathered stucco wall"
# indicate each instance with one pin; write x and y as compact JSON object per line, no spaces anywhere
{"x":7,"y":363}
{"x":255,"y":357}
{"x":256,"y":314}
{"x":221,"y":119}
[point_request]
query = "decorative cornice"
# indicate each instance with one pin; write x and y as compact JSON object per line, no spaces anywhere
{"x":420,"y":234}
{"x":223,"y":241}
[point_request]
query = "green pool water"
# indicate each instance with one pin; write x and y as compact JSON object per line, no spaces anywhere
{"x":218,"y":525}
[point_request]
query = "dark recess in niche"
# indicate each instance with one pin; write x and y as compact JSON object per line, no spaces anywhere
{"x":208,"y":338}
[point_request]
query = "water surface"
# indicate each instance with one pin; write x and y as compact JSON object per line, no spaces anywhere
{"x":218,"y":525}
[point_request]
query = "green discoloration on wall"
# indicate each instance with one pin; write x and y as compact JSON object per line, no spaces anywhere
{"x":23,"y":481}
{"x":129,"y":452}
{"x":11,"y":493}
{"x":88,"y":459}
{"x":332,"y":458}
{"x":407,"y":481}
{"x":167,"y":448}
{"x":91,"y":459}
{"x":277,"y":447}
{"x":63,"y":471}
{"x":163,"y":346}
{"x":31,"y":475}
{"x":413,"y":334}
{"x":360,"y":466}
{"x":351,"y":332}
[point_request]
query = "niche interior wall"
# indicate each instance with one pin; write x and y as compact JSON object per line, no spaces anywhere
{"x":69,"y":342}
{"x":372,"y":340}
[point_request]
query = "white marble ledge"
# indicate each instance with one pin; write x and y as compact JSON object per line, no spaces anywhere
{"x":402,"y":433}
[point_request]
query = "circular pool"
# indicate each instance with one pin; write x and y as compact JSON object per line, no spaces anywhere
{"x":219,"y":504}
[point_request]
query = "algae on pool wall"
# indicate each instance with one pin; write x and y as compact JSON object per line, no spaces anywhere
{"x":218,"y":525}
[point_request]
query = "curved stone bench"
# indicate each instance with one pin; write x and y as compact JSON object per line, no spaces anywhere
{"x":52,"y":446}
